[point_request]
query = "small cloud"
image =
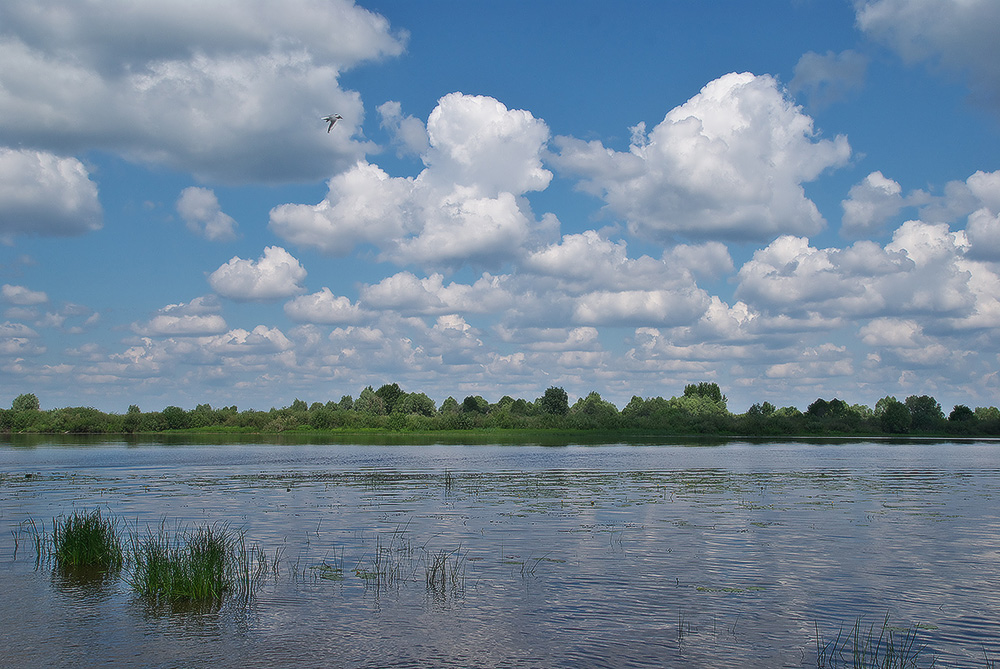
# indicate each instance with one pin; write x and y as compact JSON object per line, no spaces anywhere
{"x":275,"y":275}
{"x":198,"y":317}
{"x":409,"y":133}
{"x":870,"y":205}
{"x":201,"y":212}
{"x":828,"y":78}
{"x":22,"y":296}
{"x":324,"y":307}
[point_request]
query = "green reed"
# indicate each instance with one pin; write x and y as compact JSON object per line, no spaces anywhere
{"x":874,"y":648}
{"x":85,"y":540}
{"x":201,"y":565}
{"x":445,"y":570}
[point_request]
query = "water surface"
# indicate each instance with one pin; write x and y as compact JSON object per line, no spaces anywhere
{"x":608,"y":555}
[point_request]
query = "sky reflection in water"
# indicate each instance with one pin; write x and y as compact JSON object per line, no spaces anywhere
{"x":609,"y":555}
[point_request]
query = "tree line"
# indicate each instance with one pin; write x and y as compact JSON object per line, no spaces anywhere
{"x":700,"y":410}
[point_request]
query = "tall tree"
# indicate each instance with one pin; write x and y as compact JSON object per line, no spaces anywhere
{"x":25,"y":402}
{"x":925,"y":412}
{"x":390,"y":395}
{"x":555,"y":401}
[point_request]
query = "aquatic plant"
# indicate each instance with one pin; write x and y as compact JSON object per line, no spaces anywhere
{"x":384,"y":566}
{"x":195,"y":566}
{"x":86,"y":540}
{"x":445,"y":569}
{"x":883,"y":648}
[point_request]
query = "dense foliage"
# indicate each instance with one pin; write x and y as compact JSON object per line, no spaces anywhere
{"x":701,"y":409}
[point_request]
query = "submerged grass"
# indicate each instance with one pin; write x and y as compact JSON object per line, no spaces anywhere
{"x":445,"y":570}
{"x":874,"y":648}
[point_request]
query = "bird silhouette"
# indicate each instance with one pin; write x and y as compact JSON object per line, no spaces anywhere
{"x":332,"y":120}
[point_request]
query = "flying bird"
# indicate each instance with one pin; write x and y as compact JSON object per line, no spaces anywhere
{"x":332,"y":120}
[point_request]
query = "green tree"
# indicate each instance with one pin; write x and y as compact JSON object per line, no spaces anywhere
{"x":176,"y":418}
{"x":925,"y":412}
{"x":555,"y":402}
{"x":894,"y":417}
{"x":390,"y":394}
{"x":705,"y":389}
{"x":987,"y":413}
{"x":961,"y":413}
{"x":594,"y":411}
{"x":818,"y":409}
{"x":760,"y":410}
{"x":474,"y":404}
{"x":369,"y":403}
{"x":133,"y":419}
{"x":25,"y":402}
{"x":416,"y":403}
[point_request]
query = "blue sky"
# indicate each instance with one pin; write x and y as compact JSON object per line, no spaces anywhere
{"x":795,"y":203}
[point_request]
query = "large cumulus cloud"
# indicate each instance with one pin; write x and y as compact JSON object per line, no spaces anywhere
{"x":229,"y":90}
{"x":727,"y":164}
{"x":466,"y":206}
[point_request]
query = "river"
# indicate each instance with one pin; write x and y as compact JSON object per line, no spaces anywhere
{"x":702,"y":554}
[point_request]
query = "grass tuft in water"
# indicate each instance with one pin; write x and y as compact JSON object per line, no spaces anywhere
{"x":86,"y":540}
{"x":445,"y":570}
{"x":884,"y":648}
{"x":203,"y":565}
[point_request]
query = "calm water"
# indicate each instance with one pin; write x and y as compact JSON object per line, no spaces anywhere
{"x":597,"y":556}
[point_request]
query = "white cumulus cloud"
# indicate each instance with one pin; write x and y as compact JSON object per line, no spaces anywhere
{"x":45,"y":195}
{"x":324,"y":307}
{"x":465,"y":207}
{"x":22,"y":296}
{"x":199,"y":207}
{"x":728,"y":163}
{"x":276,"y":274}
{"x":232,"y":90}
{"x":870,"y":204}
{"x":199,"y":317}
{"x":406,"y":293}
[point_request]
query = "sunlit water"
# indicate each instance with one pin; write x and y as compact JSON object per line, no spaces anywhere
{"x":596,"y":556}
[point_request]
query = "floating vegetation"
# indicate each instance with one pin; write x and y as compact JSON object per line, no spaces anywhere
{"x":877,"y":648}
{"x":731,"y":590}
{"x":330,"y":572}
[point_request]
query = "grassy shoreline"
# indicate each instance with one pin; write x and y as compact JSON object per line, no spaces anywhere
{"x":552,"y":436}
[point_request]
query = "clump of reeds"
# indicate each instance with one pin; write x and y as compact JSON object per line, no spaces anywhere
{"x":202,"y":565}
{"x":86,"y":541}
{"x":384,"y":566}
{"x":884,"y":648}
{"x":444,"y":570}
